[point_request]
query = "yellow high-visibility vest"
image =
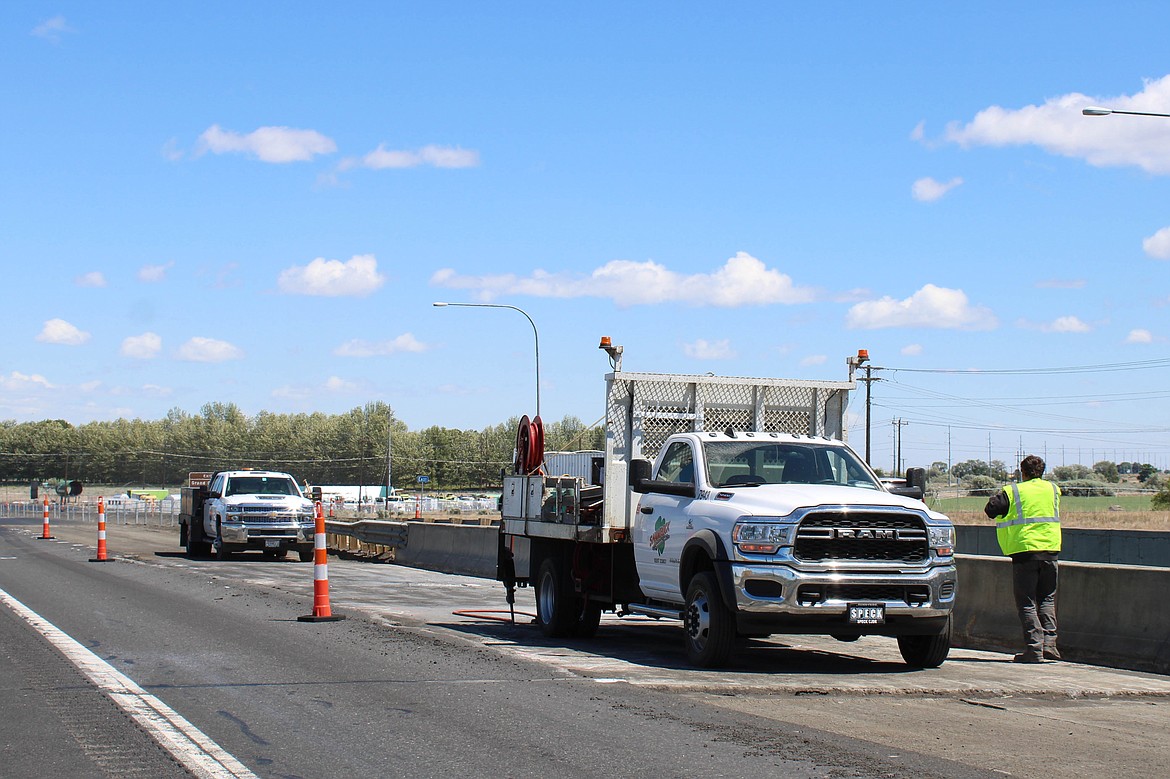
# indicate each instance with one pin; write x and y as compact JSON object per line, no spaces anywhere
{"x":1032,"y":523}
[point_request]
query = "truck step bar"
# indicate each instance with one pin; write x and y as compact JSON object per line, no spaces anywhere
{"x":658,"y":612}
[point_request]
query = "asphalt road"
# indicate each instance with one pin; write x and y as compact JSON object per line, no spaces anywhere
{"x":420,"y":681}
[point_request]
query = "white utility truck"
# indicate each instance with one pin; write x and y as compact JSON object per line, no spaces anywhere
{"x":231,"y":511}
{"x":754,"y":518}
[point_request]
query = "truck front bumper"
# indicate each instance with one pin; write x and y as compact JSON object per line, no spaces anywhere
{"x":780,"y":598}
{"x":266,"y":536}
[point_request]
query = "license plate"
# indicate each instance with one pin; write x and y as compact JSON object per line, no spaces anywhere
{"x":272,"y":543}
{"x":867,"y":613}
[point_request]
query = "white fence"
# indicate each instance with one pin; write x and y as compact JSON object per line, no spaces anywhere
{"x":129,"y":512}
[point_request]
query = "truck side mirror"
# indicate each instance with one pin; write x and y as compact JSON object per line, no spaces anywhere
{"x":639,"y":473}
{"x":915,"y":486}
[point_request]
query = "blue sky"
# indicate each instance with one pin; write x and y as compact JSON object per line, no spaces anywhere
{"x":257,"y":203}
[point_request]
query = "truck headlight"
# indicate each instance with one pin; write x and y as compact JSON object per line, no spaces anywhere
{"x":942,"y":539}
{"x":761,"y":537}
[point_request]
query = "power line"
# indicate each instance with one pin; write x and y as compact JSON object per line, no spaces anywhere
{"x":1102,"y":368}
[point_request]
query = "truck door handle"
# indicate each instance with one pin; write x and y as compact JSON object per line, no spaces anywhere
{"x":647,"y":509}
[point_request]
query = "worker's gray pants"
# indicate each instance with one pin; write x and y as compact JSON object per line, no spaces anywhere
{"x":1034,"y":585}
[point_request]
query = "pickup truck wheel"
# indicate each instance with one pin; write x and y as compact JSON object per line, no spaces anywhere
{"x":305,"y":555}
{"x":195,"y":545}
{"x":555,"y":606}
{"x":707,"y":623}
{"x":926,"y":651}
{"x":221,"y":549}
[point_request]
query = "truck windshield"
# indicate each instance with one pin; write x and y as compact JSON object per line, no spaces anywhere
{"x":731,"y":463}
{"x":260,"y":485}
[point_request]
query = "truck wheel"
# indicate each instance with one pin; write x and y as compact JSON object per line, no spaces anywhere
{"x":194,"y":539}
{"x":555,"y":606}
{"x":221,"y":549}
{"x":707,"y":622}
{"x":588,"y":619}
{"x":305,"y":555}
{"x":926,"y":651}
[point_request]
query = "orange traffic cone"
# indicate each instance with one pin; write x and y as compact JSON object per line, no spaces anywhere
{"x":321,"y":610}
{"x":101,"y":548}
{"x":45,"y":535}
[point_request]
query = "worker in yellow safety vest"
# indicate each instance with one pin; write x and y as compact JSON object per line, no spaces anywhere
{"x":1027,"y":515}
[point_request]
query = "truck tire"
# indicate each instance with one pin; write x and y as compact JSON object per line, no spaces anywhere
{"x":926,"y":651}
{"x":195,"y":546}
{"x":588,"y":618}
{"x":221,"y":549}
{"x":556,"y":612}
{"x":306,"y":555}
{"x":708,"y":625}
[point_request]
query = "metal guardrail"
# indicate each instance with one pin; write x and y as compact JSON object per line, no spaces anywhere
{"x":371,"y":531}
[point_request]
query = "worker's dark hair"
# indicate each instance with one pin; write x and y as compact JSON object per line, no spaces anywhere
{"x":1031,"y":467}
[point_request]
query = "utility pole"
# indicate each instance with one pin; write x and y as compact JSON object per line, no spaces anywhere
{"x":862,"y":360}
{"x":898,"y":424}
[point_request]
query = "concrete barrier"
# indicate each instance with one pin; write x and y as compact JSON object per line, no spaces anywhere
{"x":464,"y":549}
{"x":1111,"y":615}
{"x":1113,"y":547}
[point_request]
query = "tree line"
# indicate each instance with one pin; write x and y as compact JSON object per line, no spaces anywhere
{"x":361,"y":446}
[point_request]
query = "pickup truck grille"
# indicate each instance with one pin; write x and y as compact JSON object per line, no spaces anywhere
{"x":861,"y":535}
{"x":264,"y":515}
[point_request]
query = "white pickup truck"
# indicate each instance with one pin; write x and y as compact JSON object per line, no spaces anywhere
{"x":754,"y":518}
{"x":232,"y":511}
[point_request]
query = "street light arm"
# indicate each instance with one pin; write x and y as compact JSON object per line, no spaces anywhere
{"x":1099,"y":111}
{"x":535,"y":333}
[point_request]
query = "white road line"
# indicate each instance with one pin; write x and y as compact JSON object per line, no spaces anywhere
{"x":189,"y":745}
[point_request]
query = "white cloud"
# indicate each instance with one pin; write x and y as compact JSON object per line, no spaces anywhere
{"x":154,"y":273}
{"x":911,"y":350}
{"x":931,"y":306}
{"x":337,"y":384}
{"x":814,"y":359}
{"x":360,"y":348}
{"x":1060,"y":284}
{"x":94,"y":278}
{"x":58,"y":331}
{"x":382,"y":158}
{"x":357,"y":277}
{"x":742,"y":281}
{"x":1058,"y":127}
{"x":703,"y":349}
{"x":199,"y":349}
{"x":142,"y":347}
{"x":52,"y":29}
{"x":919,"y":132}
{"x":1139,"y":336}
{"x":268,"y":144}
{"x":157,"y":390}
{"x":1158,"y":244}
{"x":19,"y":382}
{"x":1066,"y":324}
{"x":928,"y":190}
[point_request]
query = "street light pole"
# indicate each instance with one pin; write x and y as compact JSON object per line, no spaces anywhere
{"x":535,"y":334}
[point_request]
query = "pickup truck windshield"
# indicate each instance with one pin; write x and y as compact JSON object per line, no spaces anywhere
{"x":260,"y":485}
{"x":742,"y":463}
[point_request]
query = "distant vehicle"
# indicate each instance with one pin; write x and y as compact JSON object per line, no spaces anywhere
{"x":234,"y":511}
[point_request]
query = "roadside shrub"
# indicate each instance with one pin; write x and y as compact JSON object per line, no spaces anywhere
{"x":1086,"y":488}
{"x":980,"y":486}
{"x":1161,"y":499}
